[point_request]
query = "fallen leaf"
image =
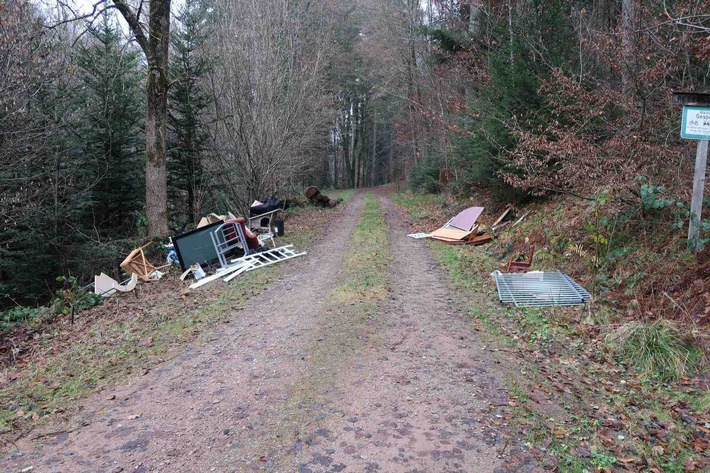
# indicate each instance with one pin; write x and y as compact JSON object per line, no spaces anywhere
{"x":689,"y":464}
{"x":658,"y":450}
{"x":263,"y":458}
{"x":700,"y":445}
{"x":35,"y":416}
{"x":135,"y":416}
{"x":111,"y":397}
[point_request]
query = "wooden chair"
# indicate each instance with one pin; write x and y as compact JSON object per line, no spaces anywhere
{"x":521,"y":266}
{"x":136,"y":263}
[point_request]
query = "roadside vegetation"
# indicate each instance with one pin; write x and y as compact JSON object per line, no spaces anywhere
{"x":593,"y":388}
{"x":50,"y":363}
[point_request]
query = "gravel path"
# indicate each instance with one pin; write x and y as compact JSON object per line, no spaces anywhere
{"x":290,"y":386}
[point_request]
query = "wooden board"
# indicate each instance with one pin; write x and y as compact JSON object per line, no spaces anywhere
{"x":449,"y":234}
{"x":479,"y":240}
{"x":466,"y":219}
{"x":503,"y":215}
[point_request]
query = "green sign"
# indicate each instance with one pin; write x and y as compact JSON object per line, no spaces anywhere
{"x":696,"y":123}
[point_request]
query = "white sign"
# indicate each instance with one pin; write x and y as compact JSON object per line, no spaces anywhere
{"x":696,"y":123}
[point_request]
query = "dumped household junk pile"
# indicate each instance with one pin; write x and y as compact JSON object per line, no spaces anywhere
{"x":232,"y":245}
{"x":463,"y":229}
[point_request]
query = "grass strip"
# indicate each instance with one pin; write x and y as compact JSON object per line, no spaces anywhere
{"x":349,"y":320}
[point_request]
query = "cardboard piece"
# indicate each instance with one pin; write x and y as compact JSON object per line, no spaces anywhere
{"x":210,"y":219}
{"x":106,"y":286}
{"x":466,"y":219}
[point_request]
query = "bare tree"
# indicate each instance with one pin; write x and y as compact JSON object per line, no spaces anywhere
{"x":271,"y":109}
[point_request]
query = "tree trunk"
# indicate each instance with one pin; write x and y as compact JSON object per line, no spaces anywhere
{"x":156,"y":123}
{"x":351,"y":170}
{"x":373,"y":161}
{"x":511,"y":35}
{"x":412,"y":86}
{"x":155,"y":46}
{"x":628,"y":15}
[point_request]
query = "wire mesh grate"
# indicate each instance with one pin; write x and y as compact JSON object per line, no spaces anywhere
{"x":539,"y":289}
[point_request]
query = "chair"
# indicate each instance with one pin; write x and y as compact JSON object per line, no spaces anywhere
{"x":136,"y":263}
{"x":521,"y":266}
{"x":233,"y":235}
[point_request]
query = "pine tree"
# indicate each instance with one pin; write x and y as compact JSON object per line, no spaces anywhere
{"x":188,"y":103}
{"x":111,"y":104}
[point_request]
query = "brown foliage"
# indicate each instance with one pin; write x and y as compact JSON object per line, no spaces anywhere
{"x":596,"y":136}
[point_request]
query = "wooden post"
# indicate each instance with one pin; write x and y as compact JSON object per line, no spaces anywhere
{"x":696,"y":204}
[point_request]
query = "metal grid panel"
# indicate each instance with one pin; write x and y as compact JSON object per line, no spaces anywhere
{"x":539,"y":289}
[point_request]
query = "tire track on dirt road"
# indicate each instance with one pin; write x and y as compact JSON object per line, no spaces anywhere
{"x":417,"y":401}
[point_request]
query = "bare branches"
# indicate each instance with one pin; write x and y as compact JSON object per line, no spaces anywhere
{"x":100,"y":7}
{"x":93,"y":14}
{"x":689,"y":21}
{"x":133,"y":22}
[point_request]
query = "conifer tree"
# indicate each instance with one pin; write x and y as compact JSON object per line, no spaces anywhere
{"x":189,"y":100}
{"x":111,"y":103}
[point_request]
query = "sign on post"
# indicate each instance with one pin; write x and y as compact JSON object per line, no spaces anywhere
{"x":696,"y":123}
{"x":696,"y":126}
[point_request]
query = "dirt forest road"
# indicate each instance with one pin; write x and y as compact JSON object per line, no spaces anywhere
{"x":410,"y":395}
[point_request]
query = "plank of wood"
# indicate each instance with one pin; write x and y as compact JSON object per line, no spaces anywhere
{"x":503,"y":215}
{"x":450,"y":233}
{"x":479,"y":240}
